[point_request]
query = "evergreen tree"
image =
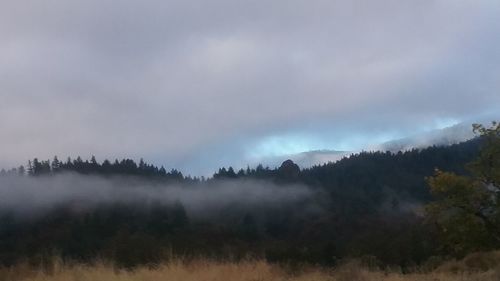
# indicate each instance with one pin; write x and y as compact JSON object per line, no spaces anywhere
{"x":56,"y":165}
{"x":21,"y":171}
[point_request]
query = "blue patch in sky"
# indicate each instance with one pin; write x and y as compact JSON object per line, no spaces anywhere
{"x":284,"y":145}
{"x":294,"y":143}
{"x":442,"y":123}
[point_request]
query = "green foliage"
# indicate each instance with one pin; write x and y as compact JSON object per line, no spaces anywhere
{"x":466,"y":211}
{"x":486,"y":167}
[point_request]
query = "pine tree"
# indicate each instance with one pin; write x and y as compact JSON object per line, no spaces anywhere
{"x":56,"y":165}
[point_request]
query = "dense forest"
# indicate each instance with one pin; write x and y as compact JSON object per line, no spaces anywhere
{"x":369,"y":205}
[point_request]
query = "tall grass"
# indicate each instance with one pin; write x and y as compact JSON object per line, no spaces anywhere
{"x":479,"y":267}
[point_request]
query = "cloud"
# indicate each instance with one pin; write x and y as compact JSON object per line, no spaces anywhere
{"x":171,"y":80}
{"x":34,"y":196}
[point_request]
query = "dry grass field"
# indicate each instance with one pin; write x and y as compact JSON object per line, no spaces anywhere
{"x":478,"y":267}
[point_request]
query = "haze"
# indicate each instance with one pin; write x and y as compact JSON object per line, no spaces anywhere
{"x":36,"y":196}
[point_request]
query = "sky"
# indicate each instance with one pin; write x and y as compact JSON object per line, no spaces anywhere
{"x":198,"y":84}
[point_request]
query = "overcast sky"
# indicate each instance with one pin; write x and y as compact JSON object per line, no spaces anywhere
{"x":197,"y":84}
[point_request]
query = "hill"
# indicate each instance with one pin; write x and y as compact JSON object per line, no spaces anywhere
{"x":368,"y":204}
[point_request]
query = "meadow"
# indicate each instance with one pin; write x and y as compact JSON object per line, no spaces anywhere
{"x":475,"y":267}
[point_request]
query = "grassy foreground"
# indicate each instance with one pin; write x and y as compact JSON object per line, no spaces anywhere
{"x":479,"y":267}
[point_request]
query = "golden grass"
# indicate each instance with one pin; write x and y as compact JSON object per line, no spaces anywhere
{"x":205,"y":270}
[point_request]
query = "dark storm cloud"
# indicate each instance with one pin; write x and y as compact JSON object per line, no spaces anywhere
{"x":167,"y":80}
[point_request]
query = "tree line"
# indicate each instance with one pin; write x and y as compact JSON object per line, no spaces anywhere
{"x":391,"y":208}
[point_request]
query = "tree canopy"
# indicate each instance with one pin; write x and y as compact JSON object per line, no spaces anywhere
{"x":466,"y":210}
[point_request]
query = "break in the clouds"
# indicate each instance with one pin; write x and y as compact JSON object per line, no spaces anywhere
{"x":196,"y":84}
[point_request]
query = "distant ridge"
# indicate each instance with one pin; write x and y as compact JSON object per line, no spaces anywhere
{"x":441,"y":137}
{"x":307,"y":158}
{"x":455,"y":134}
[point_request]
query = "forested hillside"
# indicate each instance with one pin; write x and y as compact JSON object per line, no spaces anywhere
{"x":367,"y":205}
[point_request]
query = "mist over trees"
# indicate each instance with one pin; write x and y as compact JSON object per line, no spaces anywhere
{"x":369,"y":205}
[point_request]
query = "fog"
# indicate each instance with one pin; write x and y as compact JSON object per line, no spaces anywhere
{"x":33,"y":196}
